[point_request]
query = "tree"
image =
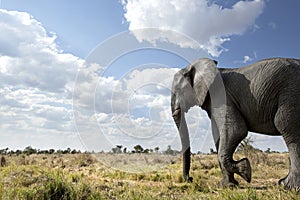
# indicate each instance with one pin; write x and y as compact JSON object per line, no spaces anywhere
{"x":246,"y":145}
{"x":29,"y":150}
{"x":268,"y":150}
{"x":59,"y":151}
{"x":138,"y":149}
{"x":74,"y":151}
{"x":66,"y":151}
{"x":51,"y":151}
{"x":18,"y":152}
{"x":212,"y":151}
{"x":43,"y":152}
{"x":4,"y":151}
{"x":169,"y":151}
{"x":156,"y":149}
{"x":117,"y":149}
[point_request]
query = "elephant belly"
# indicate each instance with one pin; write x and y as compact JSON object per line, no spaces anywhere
{"x":267,"y":128}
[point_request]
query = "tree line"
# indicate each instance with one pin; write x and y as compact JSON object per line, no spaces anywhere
{"x":29,"y":150}
{"x":118,"y":149}
{"x":246,"y":146}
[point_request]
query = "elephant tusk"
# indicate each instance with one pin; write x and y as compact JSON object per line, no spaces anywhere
{"x":176,"y":112}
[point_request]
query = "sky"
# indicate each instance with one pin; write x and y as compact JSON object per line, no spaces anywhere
{"x":94,"y":74}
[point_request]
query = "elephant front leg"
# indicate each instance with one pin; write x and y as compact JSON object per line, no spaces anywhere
{"x":228,"y":179}
{"x":231,"y":134}
{"x":241,"y":167}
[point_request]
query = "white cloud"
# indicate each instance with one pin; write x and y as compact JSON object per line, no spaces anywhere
{"x":36,"y":81}
{"x":247,"y":59}
{"x":30,"y":57}
{"x":132,"y":110}
{"x":209,"y":24}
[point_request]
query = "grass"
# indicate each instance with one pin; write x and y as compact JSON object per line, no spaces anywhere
{"x":82,"y":176}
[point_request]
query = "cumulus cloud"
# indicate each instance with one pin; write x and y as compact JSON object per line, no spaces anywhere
{"x":207,"y":23}
{"x":37,"y":97}
{"x":139,"y":87}
{"x":134,"y":109}
{"x":29,"y":55}
{"x":36,"y":80}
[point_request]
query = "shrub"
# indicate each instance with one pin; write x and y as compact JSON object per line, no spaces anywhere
{"x":2,"y":161}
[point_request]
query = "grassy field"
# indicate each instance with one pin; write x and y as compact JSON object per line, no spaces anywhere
{"x":82,"y":176}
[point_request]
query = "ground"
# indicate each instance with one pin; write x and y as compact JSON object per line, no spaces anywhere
{"x":82,"y":176}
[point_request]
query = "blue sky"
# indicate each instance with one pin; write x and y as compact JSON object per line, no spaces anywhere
{"x":81,"y":26}
{"x":52,"y":40}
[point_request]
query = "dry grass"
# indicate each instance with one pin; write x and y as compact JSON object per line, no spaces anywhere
{"x":82,"y":176}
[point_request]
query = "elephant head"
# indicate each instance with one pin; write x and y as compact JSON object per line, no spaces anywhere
{"x":190,"y":87}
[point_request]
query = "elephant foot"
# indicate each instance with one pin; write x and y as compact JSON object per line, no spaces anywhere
{"x":228,"y":183}
{"x":244,"y":169}
{"x":291,"y":182}
{"x":188,"y":179}
{"x":228,"y":180}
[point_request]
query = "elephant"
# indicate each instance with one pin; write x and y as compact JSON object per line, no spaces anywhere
{"x":263,"y":97}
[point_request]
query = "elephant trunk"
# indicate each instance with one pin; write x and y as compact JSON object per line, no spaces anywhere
{"x":180,"y":122}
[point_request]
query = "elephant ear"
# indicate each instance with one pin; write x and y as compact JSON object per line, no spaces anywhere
{"x":201,"y":74}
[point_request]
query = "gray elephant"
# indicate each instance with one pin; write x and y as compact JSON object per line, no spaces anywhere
{"x":263,"y":97}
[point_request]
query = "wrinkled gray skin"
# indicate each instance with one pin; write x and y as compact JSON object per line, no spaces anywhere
{"x":263,"y":97}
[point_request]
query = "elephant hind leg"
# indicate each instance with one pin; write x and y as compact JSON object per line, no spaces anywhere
{"x":292,"y":180}
{"x":286,"y":122}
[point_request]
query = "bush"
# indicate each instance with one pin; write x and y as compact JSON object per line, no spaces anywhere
{"x":3,"y":161}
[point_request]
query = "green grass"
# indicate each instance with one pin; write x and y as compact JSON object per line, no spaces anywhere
{"x":81,"y":176}
{"x":32,"y":182}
